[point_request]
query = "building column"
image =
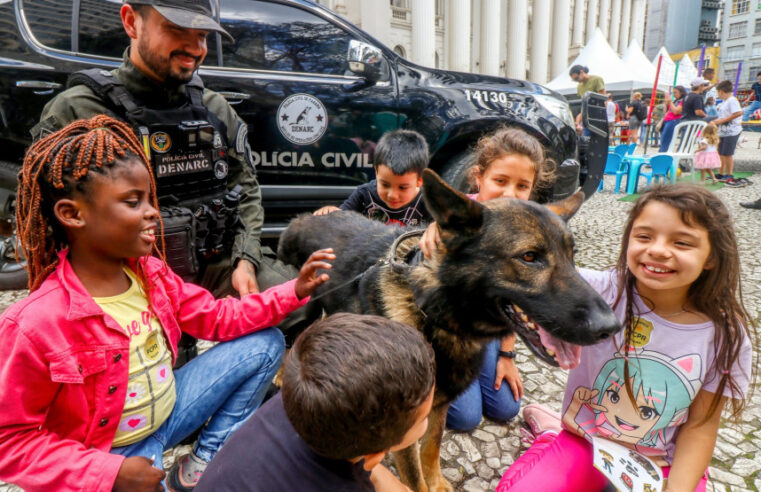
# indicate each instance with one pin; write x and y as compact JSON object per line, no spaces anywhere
{"x":604,"y":17}
{"x":623,"y":36}
{"x":638,"y":22}
{"x":615,"y":24}
{"x":517,"y":38}
{"x":561,"y":17}
{"x":540,"y":41}
{"x":423,"y":32}
{"x":375,"y":17}
{"x":490,"y":19}
{"x":577,"y":36}
{"x":591,"y":19}
{"x":458,"y":32}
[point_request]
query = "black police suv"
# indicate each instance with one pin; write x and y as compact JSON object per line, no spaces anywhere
{"x":316,"y":91}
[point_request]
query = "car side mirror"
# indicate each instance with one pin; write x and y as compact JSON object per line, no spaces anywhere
{"x":366,"y":61}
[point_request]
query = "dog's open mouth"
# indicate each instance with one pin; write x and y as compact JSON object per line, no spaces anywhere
{"x":544,"y":345}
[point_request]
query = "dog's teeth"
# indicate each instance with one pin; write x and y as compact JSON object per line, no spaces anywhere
{"x":517,"y":308}
{"x":524,"y":318}
{"x":531,"y":325}
{"x":551,"y":352}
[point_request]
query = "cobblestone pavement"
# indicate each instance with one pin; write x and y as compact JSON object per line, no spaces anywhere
{"x":474,"y":461}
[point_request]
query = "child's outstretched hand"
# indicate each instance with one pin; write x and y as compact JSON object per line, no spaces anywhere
{"x":308,"y":280}
{"x":137,"y":474}
{"x":430,"y":240}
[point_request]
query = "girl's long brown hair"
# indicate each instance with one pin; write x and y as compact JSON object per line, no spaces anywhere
{"x":716,"y":292}
{"x":505,"y":141}
{"x":58,"y":166}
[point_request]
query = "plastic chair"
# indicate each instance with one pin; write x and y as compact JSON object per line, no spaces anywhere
{"x":631,"y":149}
{"x":660,"y":166}
{"x":621,"y":149}
{"x":684,"y":142}
{"x":614,"y":165}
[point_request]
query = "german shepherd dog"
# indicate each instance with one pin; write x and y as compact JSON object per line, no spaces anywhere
{"x":502,"y":266}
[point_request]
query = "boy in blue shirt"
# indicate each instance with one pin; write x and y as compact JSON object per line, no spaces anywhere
{"x":394,"y":196}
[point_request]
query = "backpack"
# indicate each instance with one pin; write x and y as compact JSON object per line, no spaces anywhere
{"x":641,"y":111}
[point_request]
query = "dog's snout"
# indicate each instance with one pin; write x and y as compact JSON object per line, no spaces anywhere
{"x":603,"y":321}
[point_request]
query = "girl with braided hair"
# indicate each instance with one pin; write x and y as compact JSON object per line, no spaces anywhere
{"x":90,"y":399}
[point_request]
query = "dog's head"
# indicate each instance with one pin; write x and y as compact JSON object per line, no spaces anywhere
{"x":508,"y":266}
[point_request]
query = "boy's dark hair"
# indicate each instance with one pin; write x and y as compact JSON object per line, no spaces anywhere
{"x":353,"y":384}
{"x":708,"y":70}
{"x":140,"y":9}
{"x":402,"y":151}
{"x":725,"y":86}
{"x":578,"y":69}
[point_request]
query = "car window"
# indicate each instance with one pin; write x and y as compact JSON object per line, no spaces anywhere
{"x":271,"y":36}
{"x":50,"y":22}
{"x":100,"y":28}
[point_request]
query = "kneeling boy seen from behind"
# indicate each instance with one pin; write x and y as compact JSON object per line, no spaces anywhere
{"x":354,"y":388}
{"x":394,"y":196}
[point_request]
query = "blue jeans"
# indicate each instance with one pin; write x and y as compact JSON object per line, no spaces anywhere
{"x":667,"y":133}
{"x":482,"y":399}
{"x":749,"y":110}
{"x":224,"y":385}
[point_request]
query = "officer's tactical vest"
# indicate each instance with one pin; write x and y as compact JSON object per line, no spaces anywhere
{"x":187,"y":146}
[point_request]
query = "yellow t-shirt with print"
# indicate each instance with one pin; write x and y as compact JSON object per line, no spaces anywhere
{"x":150,"y":391}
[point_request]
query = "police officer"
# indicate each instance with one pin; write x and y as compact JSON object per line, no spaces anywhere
{"x":167,"y":44}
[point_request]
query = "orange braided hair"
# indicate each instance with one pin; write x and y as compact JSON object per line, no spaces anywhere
{"x":56,"y":166}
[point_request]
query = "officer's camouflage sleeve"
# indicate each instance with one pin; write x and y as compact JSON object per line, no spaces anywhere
{"x":248,"y":238}
{"x":73,"y":104}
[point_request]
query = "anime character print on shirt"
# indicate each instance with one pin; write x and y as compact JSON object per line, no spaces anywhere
{"x":663,"y":388}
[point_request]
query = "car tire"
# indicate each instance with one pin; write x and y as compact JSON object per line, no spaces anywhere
{"x":459,"y":170}
{"x":13,"y":275}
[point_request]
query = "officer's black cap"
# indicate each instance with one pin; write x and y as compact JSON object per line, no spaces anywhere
{"x":191,"y":14}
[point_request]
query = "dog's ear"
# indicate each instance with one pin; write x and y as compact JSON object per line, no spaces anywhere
{"x":451,"y":209}
{"x":568,"y":207}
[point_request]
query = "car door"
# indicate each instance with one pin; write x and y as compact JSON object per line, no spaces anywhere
{"x":312,"y":124}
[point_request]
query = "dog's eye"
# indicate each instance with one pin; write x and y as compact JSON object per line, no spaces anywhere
{"x":529,"y":257}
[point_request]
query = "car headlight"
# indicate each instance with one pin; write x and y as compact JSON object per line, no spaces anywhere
{"x":557,"y":107}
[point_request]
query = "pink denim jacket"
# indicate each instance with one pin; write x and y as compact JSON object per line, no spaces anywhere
{"x":64,"y":370}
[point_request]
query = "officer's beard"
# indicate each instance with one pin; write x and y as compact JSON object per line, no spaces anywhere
{"x":162,"y":66}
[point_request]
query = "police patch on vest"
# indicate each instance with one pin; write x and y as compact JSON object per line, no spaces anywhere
{"x":302,"y":119}
{"x":176,"y":164}
{"x":220,"y":169}
{"x":161,"y":142}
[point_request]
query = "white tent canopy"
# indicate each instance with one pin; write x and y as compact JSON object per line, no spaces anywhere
{"x":637,"y":63}
{"x":688,"y":68}
{"x":602,"y":61}
{"x":667,"y":69}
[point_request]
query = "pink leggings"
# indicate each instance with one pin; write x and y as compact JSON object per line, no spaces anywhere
{"x":561,"y":463}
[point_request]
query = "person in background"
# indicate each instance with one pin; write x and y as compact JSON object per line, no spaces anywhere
{"x":692,"y":109}
{"x":708,"y":74}
{"x":610,"y":112}
{"x":673,"y":115}
{"x":636,"y":112}
{"x":755,"y":96}
{"x":710,"y":108}
{"x":730,"y":128}
{"x":586,"y":83}
{"x":706,"y":157}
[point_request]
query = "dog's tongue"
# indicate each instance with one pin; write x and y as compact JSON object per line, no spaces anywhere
{"x":567,"y":354}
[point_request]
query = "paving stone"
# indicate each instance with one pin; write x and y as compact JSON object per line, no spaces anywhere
{"x":732,"y":435}
{"x":475,"y":484}
{"x":493,"y":463}
{"x":483,"y":435}
{"x":470,"y":449}
{"x":497,"y":430}
{"x":484,"y":471}
{"x":452,"y":474}
{"x":467,"y":466}
{"x":725,"y":477}
{"x":746,"y":467}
